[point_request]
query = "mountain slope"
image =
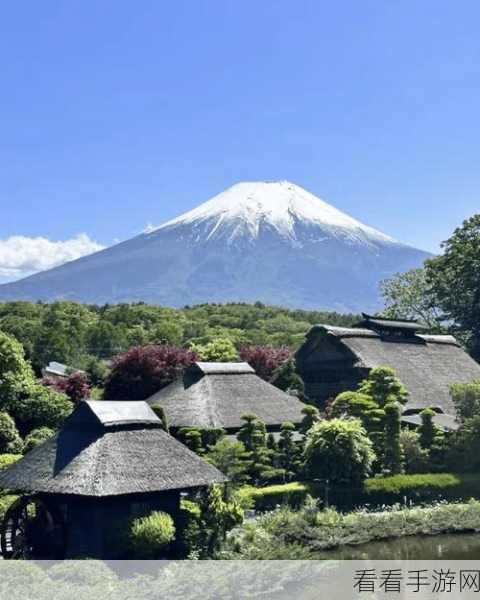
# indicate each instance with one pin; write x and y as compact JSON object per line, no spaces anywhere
{"x":268,"y":241}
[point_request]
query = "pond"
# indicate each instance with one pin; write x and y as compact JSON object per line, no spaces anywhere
{"x":455,"y":546}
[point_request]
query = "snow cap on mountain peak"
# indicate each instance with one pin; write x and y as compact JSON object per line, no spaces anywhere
{"x":247,"y":206}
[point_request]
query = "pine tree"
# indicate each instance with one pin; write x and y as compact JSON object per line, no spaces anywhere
{"x":427,"y":429}
{"x":392,"y":456}
{"x":311,"y":416}
{"x":289,"y":459}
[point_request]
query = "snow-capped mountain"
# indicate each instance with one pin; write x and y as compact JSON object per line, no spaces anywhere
{"x":268,"y":241}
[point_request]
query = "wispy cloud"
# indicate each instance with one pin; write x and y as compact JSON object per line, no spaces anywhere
{"x":21,"y":256}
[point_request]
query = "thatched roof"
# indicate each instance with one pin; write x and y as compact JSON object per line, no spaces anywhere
{"x":426,"y":364}
{"x":445,"y":422}
{"x":109,"y":449}
{"x":217,"y":395}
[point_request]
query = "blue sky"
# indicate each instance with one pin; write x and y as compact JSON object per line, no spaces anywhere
{"x":118,"y":114}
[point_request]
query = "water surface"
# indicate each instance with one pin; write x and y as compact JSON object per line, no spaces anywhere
{"x":455,"y":546}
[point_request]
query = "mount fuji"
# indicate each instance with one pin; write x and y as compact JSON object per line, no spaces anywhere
{"x":272,"y":242}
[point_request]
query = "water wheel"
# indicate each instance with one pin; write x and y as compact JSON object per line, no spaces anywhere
{"x":32,"y":528}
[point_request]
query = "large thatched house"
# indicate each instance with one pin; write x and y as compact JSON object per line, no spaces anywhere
{"x":335,"y":359}
{"x":218,"y":394}
{"x":111,"y":461}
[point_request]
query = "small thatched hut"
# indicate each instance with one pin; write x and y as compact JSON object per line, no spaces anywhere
{"x":335,"y":359}
{"x":110,"y":462}
{"x":218,"y":394}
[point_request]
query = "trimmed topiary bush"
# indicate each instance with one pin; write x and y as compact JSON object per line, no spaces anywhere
{"x":267,"y":498}
{"x":149,"y":536}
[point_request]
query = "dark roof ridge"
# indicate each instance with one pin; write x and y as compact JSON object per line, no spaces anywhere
{"x":388,"y":319}
{"x":349,"y":332}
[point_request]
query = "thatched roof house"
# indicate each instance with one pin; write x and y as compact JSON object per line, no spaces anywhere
{"x":110,"y":462}
{"x":218,"y":394}
{"x":109,"y":449}
{"x":334,"y":359}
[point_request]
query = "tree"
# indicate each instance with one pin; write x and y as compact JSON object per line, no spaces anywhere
{"x":43,"y":407}
{"x":463,"y":453}
{"x":192,"y":438}
{"x":106,"y":340}
{"x":10,"y":440}
{"x":361,"y":406}
{"x":383,"y":386}
{"x":289,"y":455}
{"x":416,"y":458}
{"x":143,"y":370}
{"x":167,"y":332}
{"x":218,"y":350}
{"x":211,"y":435}
{"x":339,"y":451}
{"x":392,"y":452}
{"x":466,"y":399}
{"x":75,"y":386}
{"x":218,"y":516}
{"x":97,"y":371}
{"x":409,"y":296}
{"x":287,"y":379}
{"x":265,"y":359}
{"x":455,"y":283}
{"x":16,"y":375}
{"x":311,"y":415}
{"x":229,"y":458}
{"x":427,"y":429}
{"x":252,"y":432}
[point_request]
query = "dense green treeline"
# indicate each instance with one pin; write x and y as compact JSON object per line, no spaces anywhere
{"x":75,"y":334}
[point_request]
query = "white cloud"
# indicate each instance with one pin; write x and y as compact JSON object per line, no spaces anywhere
{"x":21,"y":256}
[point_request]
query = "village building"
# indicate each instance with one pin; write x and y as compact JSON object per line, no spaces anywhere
{"x":58,"y":371}
{"x":217,"y":395}
{"x":110,"y":462}
{"x":336,"y":359}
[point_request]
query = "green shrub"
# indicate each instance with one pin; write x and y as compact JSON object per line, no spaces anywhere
{"x":338,"y":450}
{"x":422,"y":487}
{"x":149,"y":536}
{"x":10,"y":440}
{"x":44,"y":407}
{"x":158,"y":410}
{"x":5,"y":502}
{"x":8,"y":459}
{"x":37,"y":437}
{"x":267,"y":498}
{"x":188,"y":529}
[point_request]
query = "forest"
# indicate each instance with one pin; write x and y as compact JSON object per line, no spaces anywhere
{"x":79,"y":335}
